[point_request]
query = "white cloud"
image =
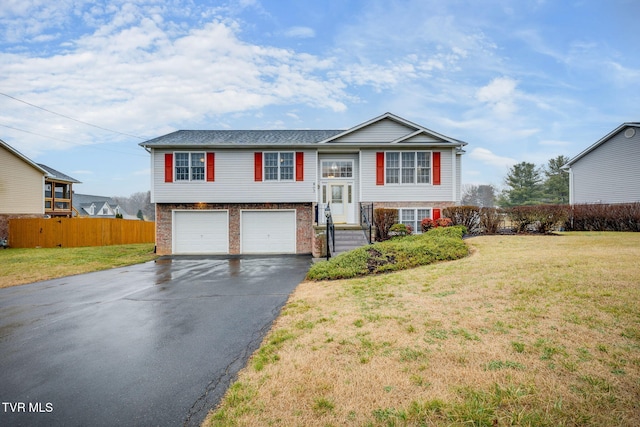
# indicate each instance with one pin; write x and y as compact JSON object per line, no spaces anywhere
{"x":300,"y":32}
{"x":554,"y":143}
{"x":500,"y":94}
{"x":487,"y":157}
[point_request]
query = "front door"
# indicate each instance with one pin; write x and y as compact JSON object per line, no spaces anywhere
{"x":337,"y":195}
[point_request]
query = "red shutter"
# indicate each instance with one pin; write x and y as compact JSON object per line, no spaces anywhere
{"x":436,"y":168}
{"x":211,"y":164}
{"x":168,"y":167}
{"x":257,"y":166}
{"x":299,"y":166}
{"x":379,"y":168}
{"x":436,"y":214}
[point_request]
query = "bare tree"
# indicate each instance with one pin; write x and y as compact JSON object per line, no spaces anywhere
{"x":483,"y":196}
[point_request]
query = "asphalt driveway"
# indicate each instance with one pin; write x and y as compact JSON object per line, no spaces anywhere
{"x":151,"y":344}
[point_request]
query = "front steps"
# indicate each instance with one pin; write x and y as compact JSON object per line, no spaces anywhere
{"x":348,"y":239}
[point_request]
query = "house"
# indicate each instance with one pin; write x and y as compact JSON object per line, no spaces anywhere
{"x":23,"y":188}
{"x":86,"y":205}
{"x":607,"y":171}
{"x":265,"y":191}
{"x":58,"y":192}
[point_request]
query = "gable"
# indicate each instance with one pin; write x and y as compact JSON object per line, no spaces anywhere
{"x":385,"y":130}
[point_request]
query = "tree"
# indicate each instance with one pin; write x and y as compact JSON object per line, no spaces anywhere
{"x":556,"y":185}
{"x":140,"y":201}
{"x":483,"y":196}
{"x":524,"y":186}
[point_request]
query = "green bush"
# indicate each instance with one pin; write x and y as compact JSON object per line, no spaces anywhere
{"x":439,"y":244}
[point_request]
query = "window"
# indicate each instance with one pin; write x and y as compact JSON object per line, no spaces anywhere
{"x":337,"y":169}
{"x":189,"y":166}
{"x":413,"y":217}
{"x":278,"y":166}
{"x":408,"y":167}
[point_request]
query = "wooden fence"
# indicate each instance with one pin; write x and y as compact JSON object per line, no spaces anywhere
{"x":76,"y":232}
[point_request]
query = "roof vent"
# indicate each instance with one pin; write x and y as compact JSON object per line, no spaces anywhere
{"x":629,"y":133}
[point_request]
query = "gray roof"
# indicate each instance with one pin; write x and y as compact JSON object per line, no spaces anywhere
{"x":58,"y":175}
{"x":87,"y":199}
{"x":241,"y":137}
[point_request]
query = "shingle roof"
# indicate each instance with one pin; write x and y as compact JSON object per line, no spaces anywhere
{"x":58,"y":175}
{"x":241,"y":137}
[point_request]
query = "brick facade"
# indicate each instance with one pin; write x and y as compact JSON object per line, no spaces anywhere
{"x":164,"y":225}
{"x":4,"y":222}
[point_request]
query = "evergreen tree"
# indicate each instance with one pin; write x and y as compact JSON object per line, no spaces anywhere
{"x":524,"y":186}
{"x":556,"y":185}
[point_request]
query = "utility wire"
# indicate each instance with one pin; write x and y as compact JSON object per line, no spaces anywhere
{"x":95,"y":146}
{"x":71,"y":118}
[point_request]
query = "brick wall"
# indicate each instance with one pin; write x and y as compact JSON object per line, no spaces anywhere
{"x":397,"y":205}
{"x":304,"y":219}
{"x":4,"y":221}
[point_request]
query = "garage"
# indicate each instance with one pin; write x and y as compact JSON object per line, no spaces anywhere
{"x":268,"y":231}
{"x":200,"y":232}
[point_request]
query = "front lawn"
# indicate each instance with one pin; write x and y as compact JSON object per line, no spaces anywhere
{"x":527,"y":331}
{"x":20,"y":266}
{"x":399,"y":253}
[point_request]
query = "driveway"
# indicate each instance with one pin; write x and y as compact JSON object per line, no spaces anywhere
{"x":150,"y":344}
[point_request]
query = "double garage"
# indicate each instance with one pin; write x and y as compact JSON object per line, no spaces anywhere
{"x":267,"y":231}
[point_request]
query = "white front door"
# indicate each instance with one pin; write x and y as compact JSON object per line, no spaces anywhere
{"x":338,"y":199}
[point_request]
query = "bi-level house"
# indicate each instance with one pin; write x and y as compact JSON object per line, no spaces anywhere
{"x":266,"y":191}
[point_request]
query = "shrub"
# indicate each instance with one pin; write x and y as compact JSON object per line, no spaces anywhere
{"x":467,"y":216}
{"x":439,"y":244}
{"x":604,"y":217}
{"x":538,"y":218}
{"x":444,"y":222}
{"x":400,"y":230}
{"x":427,"y":224}
{"x":490,"y":220}
{"x":384,"y":219}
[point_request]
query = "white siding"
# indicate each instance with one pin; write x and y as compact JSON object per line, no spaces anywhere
{"x":234,"y":181}
{"x":406,"y":192}
{"x":382,"y":131}
{"x":610,"y":173}
{"x":21,"y":186}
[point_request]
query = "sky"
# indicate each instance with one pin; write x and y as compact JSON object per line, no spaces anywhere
{"x":83,"y":82}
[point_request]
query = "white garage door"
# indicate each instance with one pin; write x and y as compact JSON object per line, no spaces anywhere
{"x":200,"y":232}
{"x":271,"y":231}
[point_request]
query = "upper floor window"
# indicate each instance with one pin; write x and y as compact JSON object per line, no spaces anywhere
{"x":189,"y":166}
{"x":278,"y":166}
{"x":408,"y":167}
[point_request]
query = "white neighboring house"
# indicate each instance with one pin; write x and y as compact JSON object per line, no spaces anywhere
{"x":608,"y":171}
{"x":265,"y":191}
{"x":97,"y":207}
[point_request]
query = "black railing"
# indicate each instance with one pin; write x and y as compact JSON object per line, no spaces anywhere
{"x":366,"y":219}
{"x":331,"y":233}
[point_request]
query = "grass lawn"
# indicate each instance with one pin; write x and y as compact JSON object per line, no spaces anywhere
{"x":20,"y":266}
{"x":527,"y":330}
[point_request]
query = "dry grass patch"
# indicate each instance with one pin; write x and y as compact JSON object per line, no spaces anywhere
{"x":528,"y":330}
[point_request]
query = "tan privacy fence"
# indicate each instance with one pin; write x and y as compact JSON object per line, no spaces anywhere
{"x":76,"y":232}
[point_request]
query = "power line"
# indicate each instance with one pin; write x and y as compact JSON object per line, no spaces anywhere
{"x":95,"y":146}
{"x":71,"y":118}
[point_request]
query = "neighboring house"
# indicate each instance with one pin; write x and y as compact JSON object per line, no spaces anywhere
{"x":265,"y":191}
{"x":23,"y":187}
{"x":58,"y":192}
{"x":97,"y":206}
{"x":607,"y":171}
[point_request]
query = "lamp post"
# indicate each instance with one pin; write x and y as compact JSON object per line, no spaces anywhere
{"x":327,"y":215}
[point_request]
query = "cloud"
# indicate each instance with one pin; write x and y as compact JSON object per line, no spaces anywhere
{"x":300,"y":32}
{"x":487,"y":157}
{"x":500,"y":94}
{"x":554,"y":143}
